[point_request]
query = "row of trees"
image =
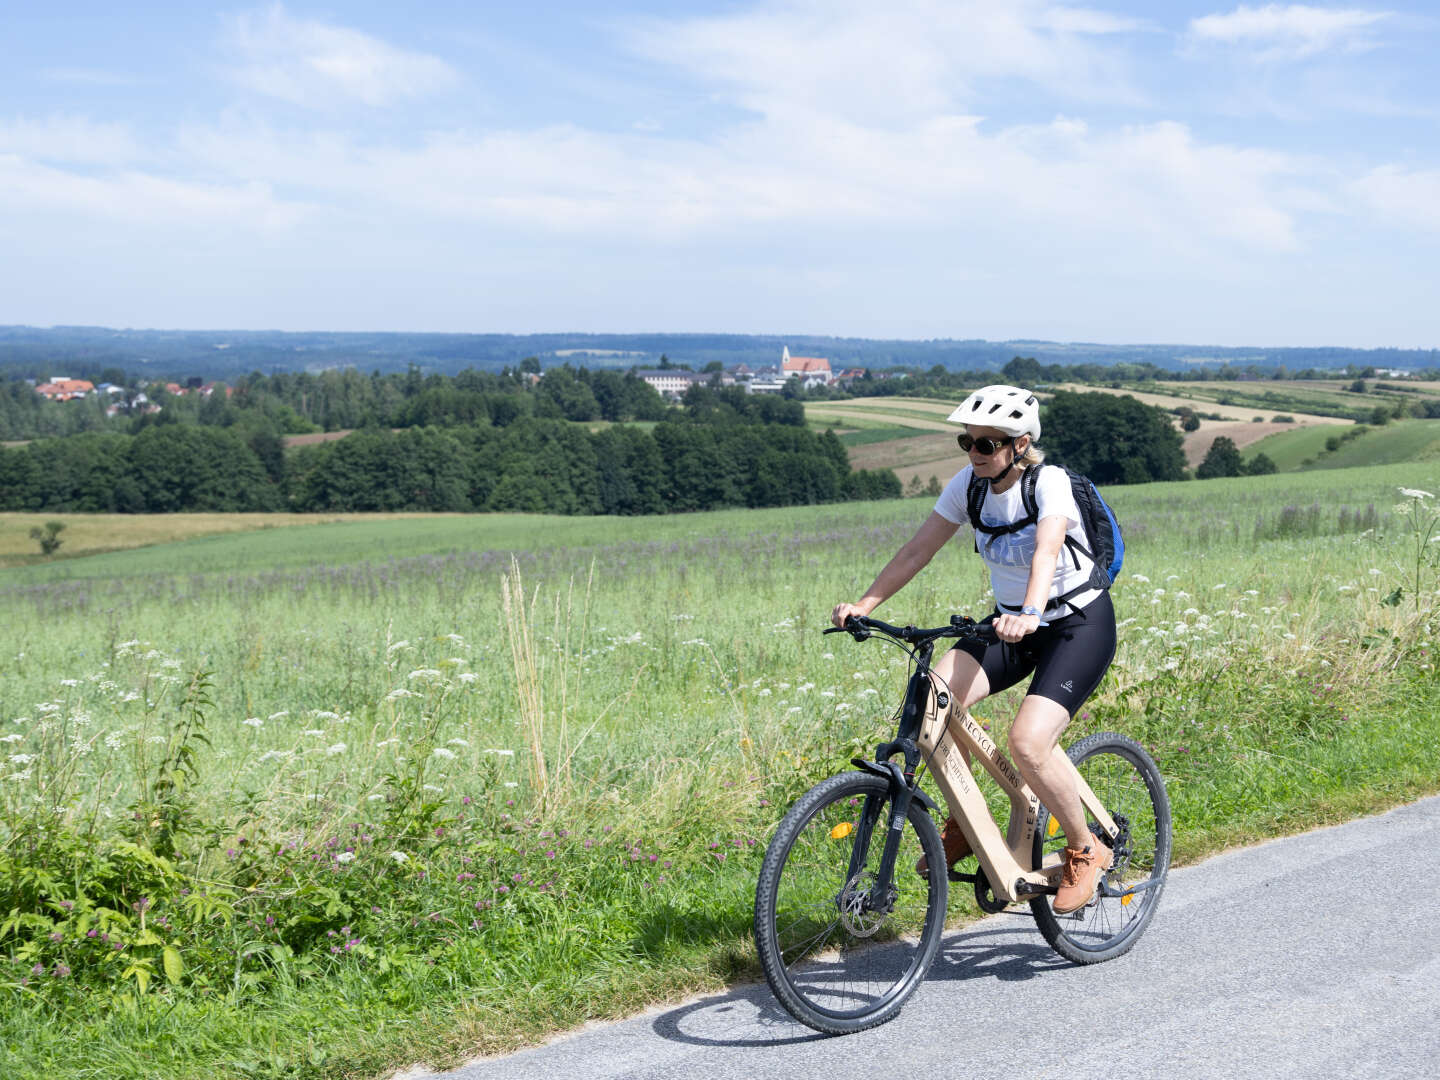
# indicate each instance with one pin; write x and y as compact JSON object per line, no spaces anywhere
{"x":536,"y":465}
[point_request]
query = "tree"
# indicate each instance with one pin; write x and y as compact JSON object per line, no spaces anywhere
{"x":1222,"y":459}
{"x":1190,"y":423}
{"x":1260,"y":465}
{"x":49,"y":537}
{"x":1112,"y":439}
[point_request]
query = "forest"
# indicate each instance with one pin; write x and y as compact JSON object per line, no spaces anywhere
{"x":487,"y":443}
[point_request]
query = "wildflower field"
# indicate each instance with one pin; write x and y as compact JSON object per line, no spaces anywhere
{"x":327,"y":801}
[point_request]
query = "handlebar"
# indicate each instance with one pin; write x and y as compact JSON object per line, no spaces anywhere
{"x":861,"y":627}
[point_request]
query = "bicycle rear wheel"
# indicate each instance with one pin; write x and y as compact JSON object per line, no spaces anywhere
{"x":836,"y":961}
{"x":1128,"y":782}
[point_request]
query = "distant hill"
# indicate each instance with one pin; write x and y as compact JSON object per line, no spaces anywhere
{"x":218,"y":354}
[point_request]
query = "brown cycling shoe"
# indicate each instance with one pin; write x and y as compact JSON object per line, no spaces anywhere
{"x":1081,"y":876}
{"x":956,"y":847}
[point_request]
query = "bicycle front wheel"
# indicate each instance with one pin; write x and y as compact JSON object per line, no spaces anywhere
{"x":838,"y":953}
{"x":1128,"y":782}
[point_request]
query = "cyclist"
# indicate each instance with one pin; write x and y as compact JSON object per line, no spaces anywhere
{"x":1043,"y":598}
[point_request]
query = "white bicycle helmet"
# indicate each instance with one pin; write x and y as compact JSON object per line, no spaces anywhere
{"x":1006,"y":408}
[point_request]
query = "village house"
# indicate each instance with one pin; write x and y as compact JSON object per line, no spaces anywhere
{"x":63,"y":388}
{"x":671,"y":382}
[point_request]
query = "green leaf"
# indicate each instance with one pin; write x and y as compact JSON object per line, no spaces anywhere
{"x":174,"y":966}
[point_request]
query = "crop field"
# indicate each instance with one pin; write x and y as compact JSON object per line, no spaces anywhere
{"x":332,"y":799}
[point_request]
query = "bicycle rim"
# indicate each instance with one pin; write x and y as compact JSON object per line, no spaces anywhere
{"x":1129,"y":784}
{"x":835,"y":963}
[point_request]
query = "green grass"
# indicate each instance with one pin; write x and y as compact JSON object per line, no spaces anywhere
{"x":688,"y":697}
{"x":880,"y":434}
{"x":1290,"y":448}
{"x":1401,"y":441}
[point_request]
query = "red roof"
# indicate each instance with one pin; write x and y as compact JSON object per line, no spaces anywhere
{"x":807,"y":363}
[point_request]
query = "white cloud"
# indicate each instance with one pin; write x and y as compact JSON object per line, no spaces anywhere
{"x":1400,"y":196}
{"x":1293,"y":31}
{"x":133,"y":197}
{"x":315,"y":64}
{"x":888,"y":64}
{"x":74,"y":139}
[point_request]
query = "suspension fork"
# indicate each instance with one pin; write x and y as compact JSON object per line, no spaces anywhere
{"x":902,"y":786}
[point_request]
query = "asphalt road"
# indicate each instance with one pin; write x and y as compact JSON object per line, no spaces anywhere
{"x":1316,"y":956}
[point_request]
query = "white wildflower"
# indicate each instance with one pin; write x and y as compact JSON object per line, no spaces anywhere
{"x":386,"y":742}
{"x":430,"y":787}
{"x":842,"y":706}
{"x":400,"y":692}
{"x":69,"y":682}
{"x":1220,"y":586}
{"x":457,"y":742}
{"x":373,"y":798}
{"x":1140,"y":578}
{"x":511,"y":783}
{"x":279,"y":715}
{"x":253,"y":721}
{"x":312,"y":731}
{"x":805,"y":688}
{"x":1416,"y":493}
{"x":14,"y":736}
{"x":345,"y":856}
{"x":443,"y":753}
{"x":501,"y":753}
{"x":765,"y":692}
{"x":399,"y":856}
{"x":467,"y":676}
{"x":827,"y":656}
{"x":322,"y":714}
{"x":793,"y":709}
{"x":857,"y":675}
{"x":393,"y":649}
{"x":425,"y":673}
{"x":21,"y":759}
{"x":336,"y":748}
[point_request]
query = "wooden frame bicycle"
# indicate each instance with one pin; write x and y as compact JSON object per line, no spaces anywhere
{"x":846,"y":929}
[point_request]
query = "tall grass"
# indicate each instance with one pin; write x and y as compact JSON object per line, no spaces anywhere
{"x":321,"y":801}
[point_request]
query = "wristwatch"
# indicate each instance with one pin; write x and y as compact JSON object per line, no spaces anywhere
{"x":1030,"y":609}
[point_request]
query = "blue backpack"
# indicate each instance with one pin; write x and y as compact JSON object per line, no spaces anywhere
{"x":1107,"y":547}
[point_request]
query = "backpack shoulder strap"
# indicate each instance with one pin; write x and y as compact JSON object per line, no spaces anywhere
{"x":1028,"y":479}
{"x":975,"y":499}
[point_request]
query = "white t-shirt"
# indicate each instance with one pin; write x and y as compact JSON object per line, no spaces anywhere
{"x":1009,"y":555}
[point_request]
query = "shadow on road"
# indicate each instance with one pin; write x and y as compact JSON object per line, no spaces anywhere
{"x":750,"y":1016}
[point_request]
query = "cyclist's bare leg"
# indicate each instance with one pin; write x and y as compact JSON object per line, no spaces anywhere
{"x":1035,"y":746}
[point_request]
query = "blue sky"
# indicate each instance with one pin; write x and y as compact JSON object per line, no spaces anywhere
{"x":1263,"y":174}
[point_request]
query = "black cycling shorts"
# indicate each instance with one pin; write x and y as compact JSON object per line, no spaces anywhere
{"x":1069,"y":656}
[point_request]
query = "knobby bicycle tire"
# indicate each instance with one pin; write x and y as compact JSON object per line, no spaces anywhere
{"x":1128,"y":782}
{"x":835,"y":965}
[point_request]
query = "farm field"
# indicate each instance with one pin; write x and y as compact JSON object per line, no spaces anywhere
{"x":342,"y":797}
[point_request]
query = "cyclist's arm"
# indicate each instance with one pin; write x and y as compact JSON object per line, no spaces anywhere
{"x":908,"y":561}
{"x":1049,"y":539}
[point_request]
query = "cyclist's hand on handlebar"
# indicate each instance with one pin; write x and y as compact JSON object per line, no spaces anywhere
{"x":1011,"y":628}
{"x":844,"y":611}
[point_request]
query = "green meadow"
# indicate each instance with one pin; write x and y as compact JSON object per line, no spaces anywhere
{"x":330,"y":800}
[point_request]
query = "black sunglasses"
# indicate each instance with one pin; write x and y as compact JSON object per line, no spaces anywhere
{"x":984,"y":444}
